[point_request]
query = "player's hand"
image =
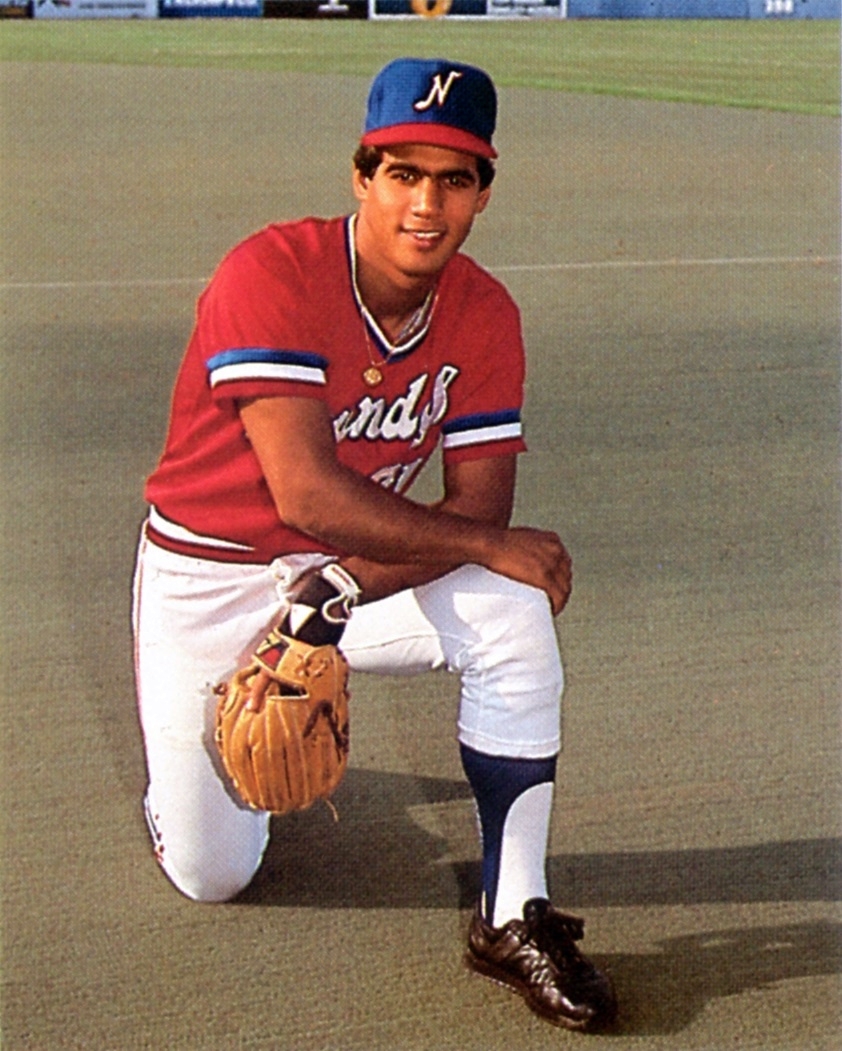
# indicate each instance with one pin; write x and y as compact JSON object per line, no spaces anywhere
{"x":539,"y":558}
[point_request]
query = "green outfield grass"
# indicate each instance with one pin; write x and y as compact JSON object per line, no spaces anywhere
{"x":778,"y":65}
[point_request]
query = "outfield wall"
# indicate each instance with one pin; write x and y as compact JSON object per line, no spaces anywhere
{"x":607,"y":9}
{"x":704,"y":8}
{"x":428,"y":9}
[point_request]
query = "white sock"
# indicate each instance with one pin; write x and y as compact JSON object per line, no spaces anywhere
{"x":523,"y":870}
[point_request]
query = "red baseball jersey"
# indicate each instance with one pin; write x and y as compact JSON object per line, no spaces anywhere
{"x":282,"y":316}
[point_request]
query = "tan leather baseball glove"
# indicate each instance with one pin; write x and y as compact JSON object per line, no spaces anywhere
{"x":282,"y":725}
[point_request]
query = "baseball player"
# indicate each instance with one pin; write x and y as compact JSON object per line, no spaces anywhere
{"x":329,"y":359}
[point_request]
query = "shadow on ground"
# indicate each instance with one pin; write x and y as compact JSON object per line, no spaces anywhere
{"x":378,"y":857}
{"x":664,"y":991}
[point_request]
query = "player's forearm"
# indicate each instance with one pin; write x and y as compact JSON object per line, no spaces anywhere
{"x":316,"y":494}
{"x":367,"y":521}
{"x":361,"y":519}
{"x":381,"y":527}
{"x":531,"y":556}
{"x":379,"y":580}
{"x":401,"y":534}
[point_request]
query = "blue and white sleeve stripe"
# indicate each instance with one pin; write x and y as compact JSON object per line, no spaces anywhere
{"x":481,"y":428}
{"x":257,"y":363}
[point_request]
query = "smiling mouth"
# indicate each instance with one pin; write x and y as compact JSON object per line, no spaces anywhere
{"x":425,"y":236}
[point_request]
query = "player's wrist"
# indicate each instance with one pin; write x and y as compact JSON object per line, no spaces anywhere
{"x":488,"y":544}
{"x":321,"y":609}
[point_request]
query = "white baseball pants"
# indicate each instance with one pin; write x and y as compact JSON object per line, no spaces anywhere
{"x":196,"y":621}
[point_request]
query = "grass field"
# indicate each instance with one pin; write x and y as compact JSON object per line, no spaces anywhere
{"x":791,"y":66}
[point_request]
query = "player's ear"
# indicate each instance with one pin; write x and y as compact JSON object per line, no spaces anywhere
{"x":482,"y":200}
{"x":359,"y":183}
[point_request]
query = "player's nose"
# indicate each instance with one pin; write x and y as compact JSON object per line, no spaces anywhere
{"x":427,"y":199}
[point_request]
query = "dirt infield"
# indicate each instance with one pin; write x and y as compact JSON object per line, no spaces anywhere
{"x":678,"y":271}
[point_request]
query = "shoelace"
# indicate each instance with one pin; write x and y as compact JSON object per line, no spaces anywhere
{"x":556,"y":934}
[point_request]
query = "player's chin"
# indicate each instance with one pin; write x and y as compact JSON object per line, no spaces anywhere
{"x":428,"y":257}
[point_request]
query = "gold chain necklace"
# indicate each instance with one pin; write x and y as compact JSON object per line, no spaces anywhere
{"x":373,"y":375}
{"x":414,"y":329}
{"x":416,"y":325}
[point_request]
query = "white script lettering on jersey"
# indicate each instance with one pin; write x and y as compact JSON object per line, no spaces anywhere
{"x":438,"y":91}
{"x":398,"y":475}
{"x":408,"y":418}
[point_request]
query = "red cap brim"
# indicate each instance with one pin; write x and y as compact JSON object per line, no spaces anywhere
{"x":428,"y":134}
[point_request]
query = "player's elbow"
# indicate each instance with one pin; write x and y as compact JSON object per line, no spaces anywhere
{"x":304,"y":507}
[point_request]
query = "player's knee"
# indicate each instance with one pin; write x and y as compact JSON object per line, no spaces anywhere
{"x":512,"y":677}
{"x":208,"y":864}
{"x":212,"y":883}
{"x":532,"y":621}
{"x":517,"y":633}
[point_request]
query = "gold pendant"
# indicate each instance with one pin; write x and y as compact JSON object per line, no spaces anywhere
{"x":373,"y":376}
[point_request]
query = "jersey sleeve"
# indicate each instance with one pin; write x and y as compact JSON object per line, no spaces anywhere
{"x":485,"y":418}
{"x":254,"y":340}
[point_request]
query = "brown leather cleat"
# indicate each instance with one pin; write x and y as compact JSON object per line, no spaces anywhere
{"x":538,"y":958}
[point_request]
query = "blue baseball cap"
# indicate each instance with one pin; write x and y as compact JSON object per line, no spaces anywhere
{"x":432,"y":102}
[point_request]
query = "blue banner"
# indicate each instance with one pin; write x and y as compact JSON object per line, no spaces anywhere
{"x":211,"y":8}
{"x":782,"y":9}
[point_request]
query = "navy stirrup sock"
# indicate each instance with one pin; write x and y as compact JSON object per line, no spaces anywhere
{"x":498,"y":783}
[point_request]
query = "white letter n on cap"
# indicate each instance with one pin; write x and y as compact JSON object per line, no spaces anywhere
{"x":438,"y":91}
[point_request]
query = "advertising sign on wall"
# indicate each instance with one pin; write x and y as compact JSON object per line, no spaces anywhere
{"x":465,"y":8}
{"x":211,"y":8}
{"x":14,"y":9}
{"x":524,"y":8}
{"x":95,"y":9}
{"x":338,"y":10}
